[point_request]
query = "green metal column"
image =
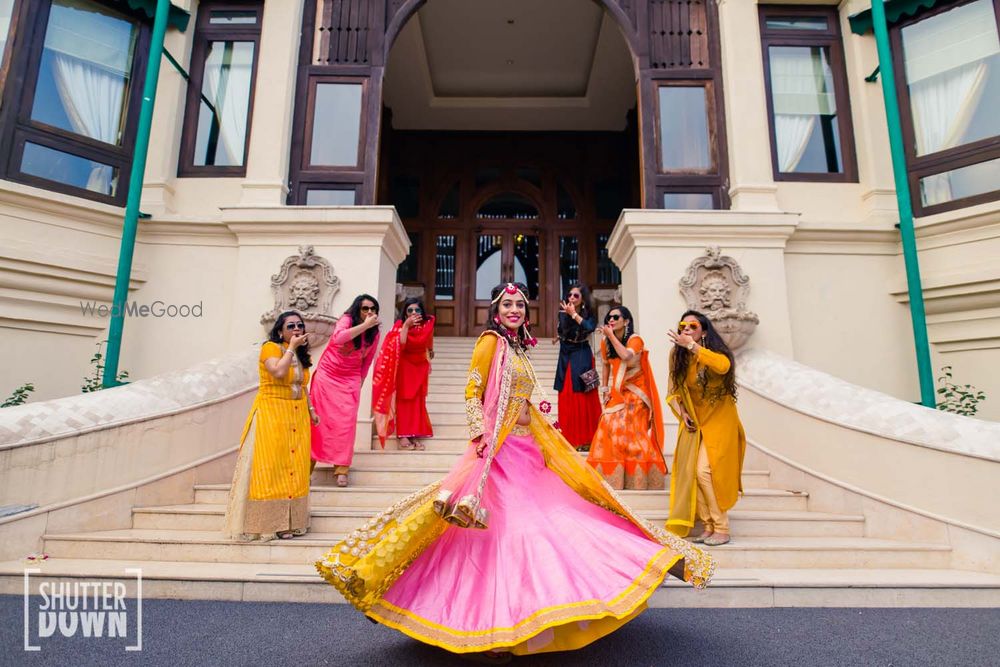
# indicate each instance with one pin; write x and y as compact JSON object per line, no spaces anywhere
{"x":134,"y":192}
{"x":909,"y":239}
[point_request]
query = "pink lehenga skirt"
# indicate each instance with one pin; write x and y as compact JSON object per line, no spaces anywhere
{"x":552,"y":572}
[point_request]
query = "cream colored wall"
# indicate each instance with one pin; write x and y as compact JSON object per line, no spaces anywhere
{"x":840,"y":259}
{"x":845,"y":322}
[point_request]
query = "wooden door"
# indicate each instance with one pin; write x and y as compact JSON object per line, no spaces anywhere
{"x":503,"y":254}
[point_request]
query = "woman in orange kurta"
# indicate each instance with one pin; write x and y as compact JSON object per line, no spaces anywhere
{"x":402,"y":372}
{"x":628,"y":446}
{"x":708,"y":459}
{"x":269,"y":496}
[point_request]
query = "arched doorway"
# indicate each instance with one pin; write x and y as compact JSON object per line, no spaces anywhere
{"x":394,"y":97}
{"x":508,"y":161}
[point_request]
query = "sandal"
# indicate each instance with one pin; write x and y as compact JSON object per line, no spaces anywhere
{"x":406,"y":444}
{"x":716,"y":540}
{"x":341,"y":480}
{"x":418,"y":446}
{"x":286,"y":535}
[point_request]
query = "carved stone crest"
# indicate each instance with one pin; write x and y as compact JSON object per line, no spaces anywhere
{"x":306,"y":283}
{"x":716,"y":286}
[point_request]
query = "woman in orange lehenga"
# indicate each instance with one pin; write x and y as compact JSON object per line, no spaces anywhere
{"x":628,"y":445}
{"x":521,"y":548}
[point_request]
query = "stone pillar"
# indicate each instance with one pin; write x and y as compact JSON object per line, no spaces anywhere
{"x":752,"y":180}
{"x":364,"y":244}
{"x":655,"y":248}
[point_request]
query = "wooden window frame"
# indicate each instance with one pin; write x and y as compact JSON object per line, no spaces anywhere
{"x":708,"y":86}
{"x":205,"y":33}
{"x":26,"y":42}
{"x":313,"y":85}
{"x":919,"y":167}
{"x":715,"y":180}
{"x":692,"y":190}
{"x":832,"y":39}
{"x":303,"y":191}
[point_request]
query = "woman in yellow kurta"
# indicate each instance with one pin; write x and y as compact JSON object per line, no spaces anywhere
{"x":522,"y":548}
{"x":269,"y":496}
{"x":627,"y":448}
{"x":708,"y":459}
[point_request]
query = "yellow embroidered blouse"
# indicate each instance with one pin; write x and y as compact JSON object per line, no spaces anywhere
{"x":522,"y":383}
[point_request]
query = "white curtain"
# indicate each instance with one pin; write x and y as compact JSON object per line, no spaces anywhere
{"x":802,"y":90}
{"x":792,"y":134}
{"x":947,"y":60}
{"x":943,"y":106}
{"x":92,"y":99}
{"x":226,"y":85}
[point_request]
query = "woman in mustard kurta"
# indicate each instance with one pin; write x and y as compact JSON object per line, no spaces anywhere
{"x":521,"y":548}
{"x":708,"y":459}
{"x":269,"y":496}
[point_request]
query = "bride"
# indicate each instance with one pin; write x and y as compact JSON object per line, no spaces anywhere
{"x":522,"y":548}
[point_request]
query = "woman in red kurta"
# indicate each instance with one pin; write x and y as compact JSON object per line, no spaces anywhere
{"x":399,"y":399}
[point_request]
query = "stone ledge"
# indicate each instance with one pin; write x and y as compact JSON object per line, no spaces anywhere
{"x":837,"y":401}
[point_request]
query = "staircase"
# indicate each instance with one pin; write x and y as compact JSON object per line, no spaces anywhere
{"x":782,"y":553}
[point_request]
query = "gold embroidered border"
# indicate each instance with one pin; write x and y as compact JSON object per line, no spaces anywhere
{"x":465,"y":641}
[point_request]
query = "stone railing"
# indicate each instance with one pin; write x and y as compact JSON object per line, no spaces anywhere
{"x":914,"y":472}
{"x":70,"y":448}
{"x":837,"y":401}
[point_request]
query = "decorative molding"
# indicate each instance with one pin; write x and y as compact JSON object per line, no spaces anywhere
{"x":716,"y":286}
{"x":18,"y":201}
{"x":693,"y":229}
{"x":967,"y":225}
{"x":813,"y":240}
{"x":44,"y":288}
{"x":306,"y":284}
{"x":359,"y":226}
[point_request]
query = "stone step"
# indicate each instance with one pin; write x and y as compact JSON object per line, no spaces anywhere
{"x":376,"y":499}
{"x":293,"y":582}
{"x":400,"y":471}
{"x":342,"y":521}
{"x":744,"y":552}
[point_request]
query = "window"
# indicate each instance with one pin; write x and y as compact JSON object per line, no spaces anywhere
{"x":948,"y":77}
{"x":332,"y":152}
{"x":689,"y":200}
{"x":607,"y":272}
{"x":690,"y":151}
{"x":508,"y":205}
{"x":70,"y":105}
{"x":220,"y":95}
{"x":811,"y":132}
{"x":685,"y":138}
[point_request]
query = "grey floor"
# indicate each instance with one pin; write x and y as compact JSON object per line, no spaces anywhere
{"x":230,"y":633}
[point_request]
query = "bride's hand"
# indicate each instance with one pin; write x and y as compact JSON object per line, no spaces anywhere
{"x":480,"y":446}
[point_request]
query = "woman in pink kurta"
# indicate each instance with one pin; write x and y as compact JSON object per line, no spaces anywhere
{"x":336,"y":384}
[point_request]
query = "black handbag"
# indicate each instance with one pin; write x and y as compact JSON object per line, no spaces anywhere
{"x":590,"y":379}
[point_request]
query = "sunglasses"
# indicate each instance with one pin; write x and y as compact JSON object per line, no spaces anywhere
{"x":369,"y":309}
{"x":681,"y":326}
{"x":295,"y":325}
{"x":612,"y":318}
{"x":413,"y":310}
